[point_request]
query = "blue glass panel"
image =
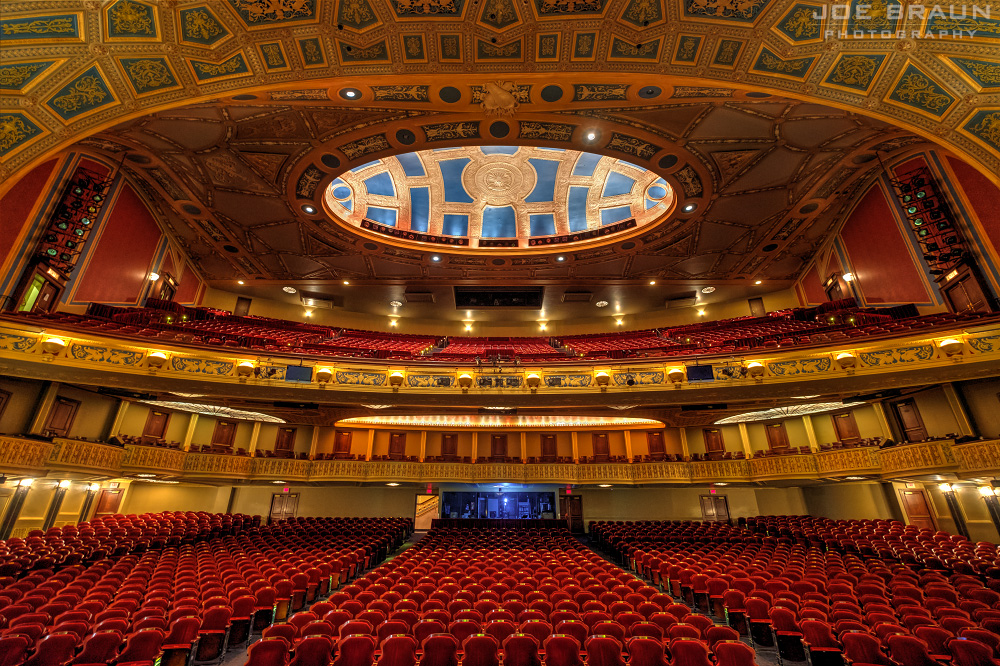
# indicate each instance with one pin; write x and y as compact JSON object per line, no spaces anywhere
{"x":365,"y":166}
{"x":586,"y":164}
{"x":616,"y":214}
{"x":545,"y":184}
{"x":617,"y":184}
{"x":451,"y":173}
{"x":498,"y":150}
{"x":650,"y":203}
{"x":380,"y":183}
{"x":543,"y":225}
{"x":499,"y":222}
{"x":577,"y":208}
{"x":342,"y":191}
{"x":634,"y":166}
{"x":349,"y":204}
{"x":554,"y":150}
{"x":386,"y":216}
{"x":657,"y":191}
{"x":420,"y":208}
{"x":455,"y":225}
{"x":412,"y":166}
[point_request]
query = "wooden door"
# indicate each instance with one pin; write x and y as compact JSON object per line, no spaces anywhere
{"x":602,"y":449}
{"x":571,"y":508}
{"x":715,"y":446}
{"x":283,"y":505}
{"x":714,"y":508}
{"x":224,"y":434}
{"x":285,"y":440}
{"x":108,"y":501}
{"x":910,"y":421}
{"x":654,"y":441}
{"x":757,"y":307}
{"x":47,"y":298}
{"x":242,"y":308}
{"x":342,"y":444}
{"x":156,"y":426}
{"x":61,"y":417}
{"x":846,"y":427}
{"x":4,"y":399}
{"x":498,"y":447}
{"x":918,"y":511}
{"x":549,"y":449}
{"x":777,"y":437}
{"x":449,"y":446}
{"x":397,"y":445}
{"x":965,"y":293}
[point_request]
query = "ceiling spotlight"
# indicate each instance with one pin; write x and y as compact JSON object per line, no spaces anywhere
{"x":435,"y":258}
{"x":854,"y":478}
{"x":350,"y":93}
{"x":146,"y":476}
{"x":603,"y":485}
{"x":392,"y":483}
{"x":278,"y":482}
{"x":591,"y":136}
{"x":757,"y":281}
{"x":288,"y":290}
{"x":239,"y":282}
{"x":308,"y":209}
{"x":707,"y":290}
{"x":652,"y":282}
{"x":690,"y":207}
{"x":396,"y":304}
{"x":560,"y":258}
{"x":347,"y":282}
{"x":601,"y":304}
{"x":720,"y":483}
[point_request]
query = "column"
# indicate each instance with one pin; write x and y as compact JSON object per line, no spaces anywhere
{"x":576,"y":446}
{"x":314,"y":444}
{"x":189,"y":433}
{"x":44,"y":408}
{"x":475,"y":445}
{"x":55,"y":504}
{"x":371,"y":444}
{"x":810,"y":433}
{"x":14,"y":508}
{"x":524,"y":447}
{"x":958,"y":409}
{"x":254,"y":436}
{"x":745,"y":439}
{"x":116,"y":423}
{"x":423,"y":445}
{"x":88,"y":501}
{"x":685,"y":449}
{"x":883,"y":421}
{"x":628,"y":444}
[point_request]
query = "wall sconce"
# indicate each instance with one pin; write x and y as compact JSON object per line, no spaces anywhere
{"x":324,"y":375}
{"x":945,"y":487}
{"x":848,"y":277}
{"x":244,"y":370}
{"x":153,"y":277}
{"x":155,"y":360}
{"x":950,"y":493}
{"x":676,"y":375}
{"x":987,"y":491}
{"x":25,"y":482}
{"x":543,"y":325}
{"x":756,"y":370}
{"x":989,"y":494}
{"x":395,"y":379}
{"x":533,"y":381}
{"x":951,"y":347}
{"x":603,"y":379}
{"x":94,"y":487}
{"x":847,"y":360}
{"x":64,"y":484}
{"x":53,"y":346}
{"x":465,"y":381}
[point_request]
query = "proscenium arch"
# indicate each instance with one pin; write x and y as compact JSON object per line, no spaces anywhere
{"x":988,"y":163}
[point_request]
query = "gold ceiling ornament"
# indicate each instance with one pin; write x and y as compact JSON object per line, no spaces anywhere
{"x":499,"y":98}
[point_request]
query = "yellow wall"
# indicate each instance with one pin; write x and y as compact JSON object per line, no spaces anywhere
{"x":20,"y":408}
{"x":154,"y":497}
{"x":94,"y":416}
{"x":683,"y":503}
{"x":983,"y":400}
{"x":939,"y":419}
{"x":843,"y":501}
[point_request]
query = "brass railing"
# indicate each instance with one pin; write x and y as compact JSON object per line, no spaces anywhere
{"x":30,"y":457}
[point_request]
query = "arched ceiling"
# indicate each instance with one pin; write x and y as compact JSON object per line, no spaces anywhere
{"x":71,"y":67}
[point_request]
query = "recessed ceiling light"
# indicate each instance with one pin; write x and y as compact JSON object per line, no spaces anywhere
{"x":435,"y":258}
{"x":288,"y":290}
{"x":690,"y":207}
{"x":396,"y":304}
{"x":652,"y":282}
{"x":707,"y":290}
{"x":591,"y":136}
{"x":277,"y":482}
{"x":146,"y":476}
{"x":854,"y":478}
{"x":347,"y":282}
{"x":560,"y":258}
{"x":757,"y":281}
{"x":603,"y":485}
{"x":307,"y":209}
{"x":392,"y":483}
{"x":601,"y":304}
{"x":239,"y":282}
{"x":350,"y":93}
{"x":720,"y":483}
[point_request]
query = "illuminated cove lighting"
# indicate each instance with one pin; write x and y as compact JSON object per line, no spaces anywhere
{"x":214,"y":410}
{"x":782,"y":412}
{"x":498,"y":421}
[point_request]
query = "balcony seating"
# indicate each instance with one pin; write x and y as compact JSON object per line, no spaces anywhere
{"x":796,"y":328}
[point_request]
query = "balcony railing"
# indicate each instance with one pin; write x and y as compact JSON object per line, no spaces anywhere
{"x":31,"y":457}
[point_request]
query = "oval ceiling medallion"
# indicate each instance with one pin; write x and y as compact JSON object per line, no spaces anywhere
{"x":499,"y":197}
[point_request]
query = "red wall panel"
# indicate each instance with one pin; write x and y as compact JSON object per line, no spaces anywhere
{"x":983,"y":196}
{"x":812,"y":288}
{"x":119,"y":265}
{"x":190,"y":286}
{"x":16,"y":205}
{"x":880,"y":255}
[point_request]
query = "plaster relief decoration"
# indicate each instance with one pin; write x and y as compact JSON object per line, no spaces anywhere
{"x":732,"y":10}
{"x":20,"y":343}
{"x":884,"y":357}
{"x":108,"y":355}
{"x":263,"y":12}
{"x":16,"y":131}
{"x":500,"y":98}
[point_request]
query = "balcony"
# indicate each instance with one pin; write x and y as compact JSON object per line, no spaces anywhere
{"x":38,"y":458}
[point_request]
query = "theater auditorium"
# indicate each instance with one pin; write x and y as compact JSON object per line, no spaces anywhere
{"x":481,"y":332}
